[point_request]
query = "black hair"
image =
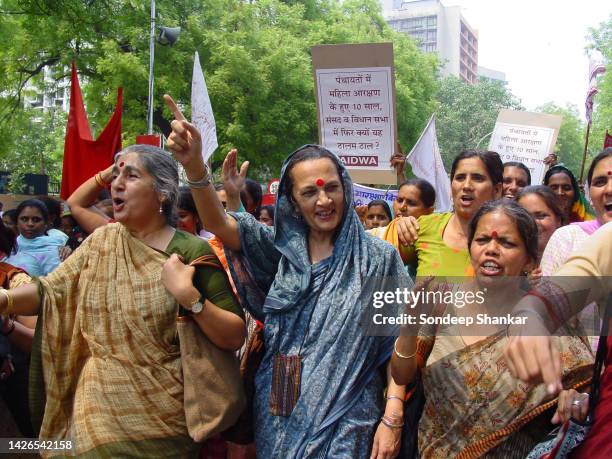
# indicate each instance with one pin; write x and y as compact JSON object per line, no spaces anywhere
{"x":267,"y":208}
{"x":525,"y":224}
{"x":185,"y":200}
{"x":383,"y":204}
{"x":54,"y":208}
{"x":605,"y":153}
{"x":7,"y":239}
{"x":560,"y":169}
{"x":306,"y":153}
{"x":426,"y":190}
{"x":491,"y":160}
{"x":252,"y":189}
{"x":12,"y":214}
{"x":103,"y":194}
{"x":521,"y":166}
{"x":37,"y":204}
{"x":549,"y":198}
{"x":186,"y":203}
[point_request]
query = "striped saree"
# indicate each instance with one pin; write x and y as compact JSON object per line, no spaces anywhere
{"x":109,"y":353}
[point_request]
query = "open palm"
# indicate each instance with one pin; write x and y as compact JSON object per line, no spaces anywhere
{"x":233,"y":180}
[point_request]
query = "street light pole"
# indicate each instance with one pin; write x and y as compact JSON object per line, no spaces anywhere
{"x":151,"y":61}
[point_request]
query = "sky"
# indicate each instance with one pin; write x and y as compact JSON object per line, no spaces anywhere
{"x":538,"y":44}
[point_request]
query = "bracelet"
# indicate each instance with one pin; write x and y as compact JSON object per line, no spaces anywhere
{"x":389,"y":423}
{"x":9,"y":301}
{"x":100,"y":181}
{"x":201,"y":183}
{"x":401,"y":356}
{"x":11,"y":330}
{"x":394,"y":397}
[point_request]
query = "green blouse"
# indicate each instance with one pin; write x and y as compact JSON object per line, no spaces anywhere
{"x":212,"y":283}
{"x":434,"y":257}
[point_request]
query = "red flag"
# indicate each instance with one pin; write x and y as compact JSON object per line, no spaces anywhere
{"x":83,"y":156}
{"x":608,"y":140}
{"x":153,"y":140}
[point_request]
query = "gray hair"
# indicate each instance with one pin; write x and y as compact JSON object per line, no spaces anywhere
{"x":164,"y":171}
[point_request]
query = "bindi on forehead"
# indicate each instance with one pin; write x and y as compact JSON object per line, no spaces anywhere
{"x":494,"y":234}
{"x":320,"y":182}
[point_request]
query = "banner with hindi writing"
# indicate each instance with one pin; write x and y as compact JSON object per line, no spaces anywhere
{"x":525,"y":137}
{"x":356,"y":107}
{"x":362,"y":195}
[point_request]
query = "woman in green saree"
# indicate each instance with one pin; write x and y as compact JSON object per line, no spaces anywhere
{"x":106,"y":337}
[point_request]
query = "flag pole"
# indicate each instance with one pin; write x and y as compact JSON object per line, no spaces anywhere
{"x":151,"y":63}
{"x":586,"y":144}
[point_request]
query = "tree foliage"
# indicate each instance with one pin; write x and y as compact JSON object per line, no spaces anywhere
{"x":35,"y":145}
{"x":570,"y":141}
{"x":466,"y":114}
{"x":255,"y":56}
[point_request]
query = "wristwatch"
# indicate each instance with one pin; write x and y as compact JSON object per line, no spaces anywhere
{"x":196,"y":306}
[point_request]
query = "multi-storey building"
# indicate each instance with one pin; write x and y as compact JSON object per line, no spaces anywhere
{"x":49,"y":93}
{"x":485,"y":73}
{"x":440,"y":29}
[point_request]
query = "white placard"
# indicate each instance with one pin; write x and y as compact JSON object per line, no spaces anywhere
{"x":356,"y":115}
{"x":525,"y":144}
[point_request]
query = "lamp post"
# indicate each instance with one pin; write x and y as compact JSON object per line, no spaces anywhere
{"x":151,"y":61}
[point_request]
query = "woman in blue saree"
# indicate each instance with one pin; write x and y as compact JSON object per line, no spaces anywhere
{"x":310,"y":279}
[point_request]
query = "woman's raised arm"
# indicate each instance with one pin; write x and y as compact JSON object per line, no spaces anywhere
{"x":186,"y":144}
{"x":82,"y":201}
{"x":23,"y":300}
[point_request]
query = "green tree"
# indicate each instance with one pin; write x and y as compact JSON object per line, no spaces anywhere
{"x":255,"y":55}
{"x":601,"y":39}
{"x":466,"y":114}
{"x":570,"y":141}
{"x":36,"y":146}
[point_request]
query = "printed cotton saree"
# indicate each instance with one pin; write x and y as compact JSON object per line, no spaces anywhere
{"x":473,"y":404}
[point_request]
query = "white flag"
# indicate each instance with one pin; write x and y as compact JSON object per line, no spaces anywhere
{"x":201,"y":110}
{"x":596,"y":67}
{"x":426,"y":163}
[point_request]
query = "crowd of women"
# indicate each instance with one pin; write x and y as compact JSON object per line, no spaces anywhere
{"x":97,"y":327}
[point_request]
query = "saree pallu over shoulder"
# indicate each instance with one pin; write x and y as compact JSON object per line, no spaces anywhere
{"x":110,"y":358}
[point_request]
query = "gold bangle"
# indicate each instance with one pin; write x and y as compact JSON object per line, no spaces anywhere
{"x":401,"y":356}
{"x":100,"y":181}
{"x":9,"y":302}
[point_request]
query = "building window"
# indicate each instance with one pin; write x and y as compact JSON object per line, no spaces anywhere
{"x":37,"y":101}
